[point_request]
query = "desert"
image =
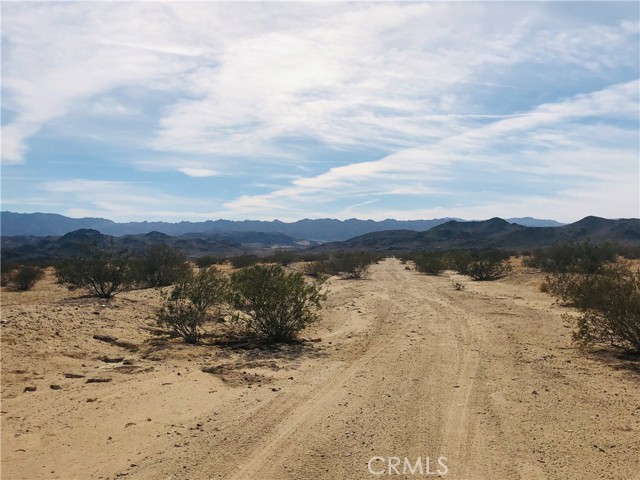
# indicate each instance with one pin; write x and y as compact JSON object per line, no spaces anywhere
{"x":399,"y":366}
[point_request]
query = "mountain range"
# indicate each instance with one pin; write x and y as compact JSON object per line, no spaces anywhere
{"x":493,"y":233}
{"x":454,"y":234}
{"x":320,"y":230}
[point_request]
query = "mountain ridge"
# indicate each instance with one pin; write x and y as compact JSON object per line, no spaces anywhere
{"x":321,"y":230}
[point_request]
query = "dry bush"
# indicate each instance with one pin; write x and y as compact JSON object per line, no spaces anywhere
{"x":609,"y":304}
{"x":102,"y":272}
{"x":196,"y":299}
{"x":24,"y":277}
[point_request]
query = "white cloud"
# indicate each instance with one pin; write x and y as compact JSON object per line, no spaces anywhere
{"x":198,"y":172}
{"x":439,"y":88}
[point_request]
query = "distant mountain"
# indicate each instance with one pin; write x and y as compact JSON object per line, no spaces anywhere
{"x":493,"y":233}
{"x":534,"y":222}
{"x":323,"y":230}
{"x":31,"y":248}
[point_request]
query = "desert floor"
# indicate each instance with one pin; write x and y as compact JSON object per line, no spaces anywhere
{"x":399,"y":365}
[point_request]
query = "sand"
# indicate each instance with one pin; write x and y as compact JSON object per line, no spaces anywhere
{"x":400,"y":365}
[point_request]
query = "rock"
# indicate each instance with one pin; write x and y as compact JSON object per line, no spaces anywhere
{"x":106,"y":359}
{"x":29,"y":389}
{"x":105,"y":338}
{"x":127,"y":362}
{"x":55,"y":387}
{"x":91,"y":400}
{"x":98,"y":380}
{"x":73,"y":375}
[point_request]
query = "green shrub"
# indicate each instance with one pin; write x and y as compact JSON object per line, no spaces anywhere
{"x":316,"y":269}
{"x":209,"y":260}
{"x":160,"y":266}
{"x":430,"y":263}
{"x":25,"y":277}
{"x":242,"y":261}
{"x":488,"y":269}
{"x":102,"y":272}
{"x":6,"y":270}
{"x":351,"y":265}
{"x":281,"y":257}
{"x":572,"y":258}
{"x":609,"y":305}
{"x":196,"y":299}
{"x":273,"y":305}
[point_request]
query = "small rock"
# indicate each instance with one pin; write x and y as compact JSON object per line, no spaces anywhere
{"x":73,"y":375}
{"x":91,"y":400}
{"x":55,"y":387}
{"x":106,"y":359}
{"x":29,"y":389}
{"x":127,"y":362}
{"x":98,"y":380}
{"x":535,"y":392}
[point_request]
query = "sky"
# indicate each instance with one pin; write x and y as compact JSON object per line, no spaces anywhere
{"x":271,"y":110}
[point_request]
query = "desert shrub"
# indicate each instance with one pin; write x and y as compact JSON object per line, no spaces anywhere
{"x":609,"y":305}
{"x":351,"y":265}
{"x":282,"y":257}
{"x":430,"y":263}
{"x":209,"y":260}
{"x":273,"y":305}
{"x":488,"y":269}
{"x":572,"y":258}
{"x":242,"y":261}
{"x":459,"y":260}
{"x":480,"y":265}
{"x":316,"y":269}
{"x":6,"y":270}
{"x":160,"y":266}
{"x":25,"y":277}
{"x":458,"y":286}
{"x":195,"y":299}
{"x":102,"y":272}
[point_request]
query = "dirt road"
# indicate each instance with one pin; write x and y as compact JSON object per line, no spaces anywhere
{"x":411,"y":379}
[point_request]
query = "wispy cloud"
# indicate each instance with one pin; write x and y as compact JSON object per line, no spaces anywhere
{"x":387,"y":109}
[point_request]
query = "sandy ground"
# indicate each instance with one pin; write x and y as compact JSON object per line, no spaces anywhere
{"x":485,"y":380}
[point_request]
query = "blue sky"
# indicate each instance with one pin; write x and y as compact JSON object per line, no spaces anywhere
{"x":193,"y":111}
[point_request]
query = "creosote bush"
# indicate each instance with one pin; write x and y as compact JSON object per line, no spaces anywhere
{"x":608,"y":302}
{"x":351,"y":265}
{"x":160,"y":266}
{"x":101,"y":271}
{"x":196,"y":299}
{"x":480,"y":265}
{"x":430,"y":263}
{"x":25,"y":277}
{"x":573,"y":258}
{"x":242,"y":261}
{"x":271,"y":304}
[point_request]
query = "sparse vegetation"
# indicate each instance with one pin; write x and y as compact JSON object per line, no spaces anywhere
{"x":242,"y":261}
{"x":572,"y":258}
{"x":160,"y":266}
{"x":480,"y":265}
{"x":351,"y":265}
{"x":609,"y":304}
{"x":102,"y":272}
{"x":273,"y":305}
{"x":458,"y":286}
{"x":24,"y":277}
{"x":196,"y":299}
{"x":429,"y":263}
{"x":209,"y":260}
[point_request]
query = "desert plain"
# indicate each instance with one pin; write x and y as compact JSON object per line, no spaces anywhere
{"x":483,"y":383}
